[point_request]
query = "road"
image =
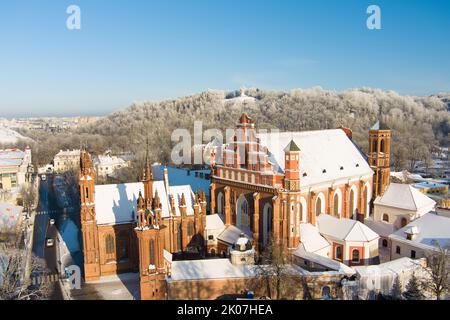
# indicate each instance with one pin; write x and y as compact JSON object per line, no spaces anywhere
{"x":47,"y":209}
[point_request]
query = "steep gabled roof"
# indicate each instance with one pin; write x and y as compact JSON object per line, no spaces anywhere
{"x":404,"y":196}
{"x":326,"y":155}
{"x":345,"y":229}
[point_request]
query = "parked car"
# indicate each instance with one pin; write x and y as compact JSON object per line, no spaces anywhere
{"x":50,"y":242}
{"x":43,"y":177}
{"x":52,"y":222}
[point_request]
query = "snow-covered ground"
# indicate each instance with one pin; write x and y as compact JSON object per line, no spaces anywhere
{"x":10,"y":136}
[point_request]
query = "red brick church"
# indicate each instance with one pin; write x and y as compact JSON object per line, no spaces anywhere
{"x":269,"y":185}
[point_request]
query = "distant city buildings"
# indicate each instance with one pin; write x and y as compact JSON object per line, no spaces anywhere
{"x":108,"y":165}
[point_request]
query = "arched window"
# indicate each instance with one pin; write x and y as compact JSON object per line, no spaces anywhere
{"x":374,"y":146}
{"x":336,"y":205}
{"x":151,"y":252}
{"x":326,"y":293}
{"x":190,"y":228}
{"x":352,"y":203}
{"x":385,"y":217}
{"x":397,"y":250}
{"x":318,"y":206}
{"x":385,"y":243}
{"x":365,"y":195}
{"x":355,"y":255}
{"x":243,"y":217}
{"x":220,"y":203}
{"x":213,"y":252}
{"x":382,"y":146}
{"x":404,"y":222}
{"x":109,"y":244}
{"x":179,"y":243}
{"x":339,"y":253}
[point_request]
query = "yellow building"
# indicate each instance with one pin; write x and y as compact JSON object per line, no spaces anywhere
{"x":14,"y":165}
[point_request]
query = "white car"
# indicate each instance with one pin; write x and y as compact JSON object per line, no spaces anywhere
{"x":43,"y":177}
{"x":50,"y":242}
{"x":52,"y":222}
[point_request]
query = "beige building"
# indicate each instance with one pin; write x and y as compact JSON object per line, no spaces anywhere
{"x":398,"y":206}
{"x":107,"y":165}
{"x":66,"y":160}
{"x":14,"y":166}
{"x":420,"y":237}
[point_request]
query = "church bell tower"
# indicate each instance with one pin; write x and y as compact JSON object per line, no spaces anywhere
{"x":88,"y":218}
{"x":379,"y":157}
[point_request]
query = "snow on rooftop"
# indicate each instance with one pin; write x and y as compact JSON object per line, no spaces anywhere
{"x":404,"y":196}
{"x":9,"y":214}
{"x":210,"y":269}
{"x":393,"y":267}
{"x":345,"y":229}
{"x":384,"y":229}
{"x":232,"y":233}
{"x":323,"y":261}
{"x":316,"y":148}
{"x":432,"y":229}
{"x":311,"y":239}
{"x":177,"y":192}
{"x":214,"y":222}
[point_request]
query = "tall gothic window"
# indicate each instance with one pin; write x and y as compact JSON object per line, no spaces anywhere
{"x":179,"y":242}
{"x":318,"y":206}
{"x":151,"y":252}
{"x":336,"y":205}
{"x":364,"y":208}
{"x":352,"y":203}
{"x":109,"y":244}
{"x":190,"y":229}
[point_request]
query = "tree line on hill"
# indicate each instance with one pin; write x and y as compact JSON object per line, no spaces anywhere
{"x":419,"y":124}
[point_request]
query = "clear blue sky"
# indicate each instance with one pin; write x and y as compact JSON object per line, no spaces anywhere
{"x":149,"y":50}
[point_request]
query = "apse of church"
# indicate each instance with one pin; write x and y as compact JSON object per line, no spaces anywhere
{"x":293,"y":181}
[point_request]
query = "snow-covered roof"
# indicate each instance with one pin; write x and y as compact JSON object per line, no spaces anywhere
{"x":393,"y":267}
{"x":167,"y":255}
{"x":109,"y":160}
{"x":432,"y":229}
{"x":232,"y":233}
{"x":316,"y":164}
{"x":177,"y":192}
{"x":68,"y":153}
{"x":344,"y":229}
{"x":404,"y":196}
{"x":214,"y":222}
{"x":116,"y":203}
{"x":210,"y":269}
{"x":384,"y":229}
{"x":310,"y":238}
{"x":323,"y":261}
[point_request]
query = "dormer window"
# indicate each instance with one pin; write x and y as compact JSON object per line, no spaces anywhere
{"x":342,"y":168}
{"x":357,"y":165}
{"x":324,"y":171}
{"x":305,"y":174}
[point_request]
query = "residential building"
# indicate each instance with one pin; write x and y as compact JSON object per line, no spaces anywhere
{"x":15,"y":165}
{"x":421,"y":237}
{"x":66,"y":160}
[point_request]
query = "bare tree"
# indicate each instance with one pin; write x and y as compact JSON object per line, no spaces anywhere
{"x":13,"y":284}
{"x":274,"y":269}
{"x":28,"y":195}
{"x":437,"y":269}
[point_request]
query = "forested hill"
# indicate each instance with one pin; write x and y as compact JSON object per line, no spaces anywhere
{"x":418,"y":123}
